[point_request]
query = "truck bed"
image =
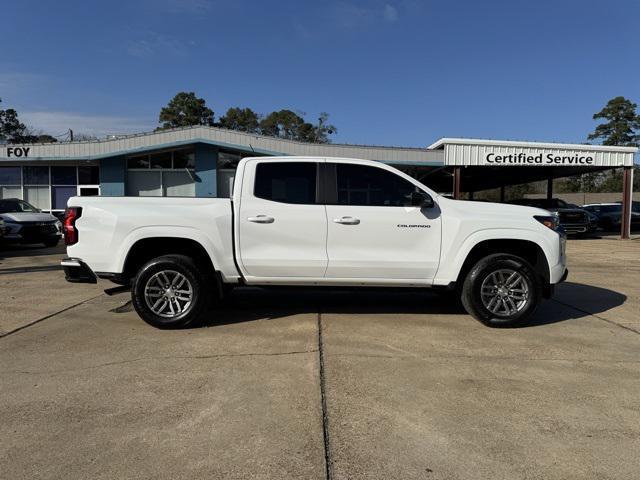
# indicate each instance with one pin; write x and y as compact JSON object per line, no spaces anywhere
{"x":109,"y":226}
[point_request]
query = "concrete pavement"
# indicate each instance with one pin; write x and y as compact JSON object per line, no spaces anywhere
{"x":413,"y":387}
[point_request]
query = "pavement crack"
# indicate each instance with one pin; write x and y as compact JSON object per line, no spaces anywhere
{"x":166,"y":357}
{"x":482,"y":357}
{"x":66,"y":309}
{"x":323,"y":398}
{"x":596,"y":316}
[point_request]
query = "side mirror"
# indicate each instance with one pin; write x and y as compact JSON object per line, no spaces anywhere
{"x":420,"y":199}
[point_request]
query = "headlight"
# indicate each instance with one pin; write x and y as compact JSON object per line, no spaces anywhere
{"x":12,"y":227}
{"x":550,"y":221}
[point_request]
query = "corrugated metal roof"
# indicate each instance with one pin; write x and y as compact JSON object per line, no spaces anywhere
{"x":476,"y":152}
{"x":516,"y":143}
{"x":225,"y":138}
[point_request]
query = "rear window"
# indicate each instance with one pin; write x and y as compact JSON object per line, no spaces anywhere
{"x":286,"y":182}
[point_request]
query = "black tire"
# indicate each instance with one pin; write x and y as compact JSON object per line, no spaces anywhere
{"x":525,"y":304}
{"x":52,"y":243}
{"x":152,"y":273}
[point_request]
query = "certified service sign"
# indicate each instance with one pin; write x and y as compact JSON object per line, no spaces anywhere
{"x":522,"y":158}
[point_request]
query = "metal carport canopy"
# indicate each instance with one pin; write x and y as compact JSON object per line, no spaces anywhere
{"x":482,"y":164}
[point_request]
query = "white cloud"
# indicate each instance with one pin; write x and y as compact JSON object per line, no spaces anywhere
{"x":55,"y":123}
{"x":348,"y":15}
{"x":12,"y":83}
{"x":390,"y":13}
{"x":192,"y":7}
{"x":156,"y":44}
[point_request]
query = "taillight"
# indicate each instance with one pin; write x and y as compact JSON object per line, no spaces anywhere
{"x":69,"y":229}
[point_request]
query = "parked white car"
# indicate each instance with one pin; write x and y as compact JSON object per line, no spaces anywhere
{"x":301,"y":221}
{"x":24,"y":223}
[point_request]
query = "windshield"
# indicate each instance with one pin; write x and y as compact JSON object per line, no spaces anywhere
{"x":16,"y":206}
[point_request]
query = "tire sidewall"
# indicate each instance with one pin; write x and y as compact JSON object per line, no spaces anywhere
{"x":178,"y":263}
{"x":472,"y":299}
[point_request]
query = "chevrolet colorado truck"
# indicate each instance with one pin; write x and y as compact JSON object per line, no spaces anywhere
{"x":302,"y":221}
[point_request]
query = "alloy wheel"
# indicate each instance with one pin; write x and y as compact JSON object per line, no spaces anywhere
{"x":504,"y":292}
{"x":168,"y":293}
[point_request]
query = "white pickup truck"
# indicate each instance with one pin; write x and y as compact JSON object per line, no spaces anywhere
{"x":302,"y":221}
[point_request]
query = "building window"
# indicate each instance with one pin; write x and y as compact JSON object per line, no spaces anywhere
{"x":88,"y":175}
{"x":10,"y":182}
{"x":64,"y":185}
{"x":36,"y":186}
{"x":48,"y":187}
{"x":162,"y":174}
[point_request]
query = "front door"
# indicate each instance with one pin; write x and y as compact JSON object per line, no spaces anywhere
{"x":371,"y":231}
{"x":282,"y":226}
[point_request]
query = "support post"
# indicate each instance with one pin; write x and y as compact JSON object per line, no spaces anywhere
{"x":457,"y":173}
{"x":549,"y":188}
{"x":502,"y":194}
{"x":627,"y":198}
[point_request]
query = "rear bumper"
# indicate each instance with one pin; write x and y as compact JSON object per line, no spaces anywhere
{"x":76,"y":271}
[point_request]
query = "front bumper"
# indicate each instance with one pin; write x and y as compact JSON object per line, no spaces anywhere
{"x":76,"y":271}
{"x":37,"y":237}
{"x":574,"y":228}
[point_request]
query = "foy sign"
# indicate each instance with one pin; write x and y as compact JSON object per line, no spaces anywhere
{"x":19,"y":152}
{"x":538,"y":159}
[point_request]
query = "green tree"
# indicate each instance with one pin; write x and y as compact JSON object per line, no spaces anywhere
{"x":11,"y":129}
{"x":241,"y":119}
{"x":185,"y":109}
{"x":324,"y":129}
{"x":290,"y":125}
{"x":283,"y":124}
{"x":622,"y":126}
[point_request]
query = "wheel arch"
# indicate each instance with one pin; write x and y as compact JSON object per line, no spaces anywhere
{"x":145,"y":249}
{"x":525,"y":249}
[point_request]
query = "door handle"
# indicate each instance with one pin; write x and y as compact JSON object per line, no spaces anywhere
{"x":347,"y":220}
{"x":261,"y":219}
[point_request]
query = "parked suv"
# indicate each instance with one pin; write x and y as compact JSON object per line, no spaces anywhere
{"x":24,"y":223}
{"x":572,"y":220}
{"x":610,"y":215}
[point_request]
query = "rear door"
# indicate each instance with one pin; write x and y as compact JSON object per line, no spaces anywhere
{"x":372,"y":233}
{"x":282,"y":225}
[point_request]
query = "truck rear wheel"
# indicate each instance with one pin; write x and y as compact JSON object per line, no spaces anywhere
{"x":169,"y":292}
{"x":501,"y":290}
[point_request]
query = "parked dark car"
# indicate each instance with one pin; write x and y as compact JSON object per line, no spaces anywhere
{"x":24,"y":223}
{"x":610,"y":215}
{"x":574,"y":220}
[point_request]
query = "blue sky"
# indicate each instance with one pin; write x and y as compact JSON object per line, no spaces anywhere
{"x":391,"y":72}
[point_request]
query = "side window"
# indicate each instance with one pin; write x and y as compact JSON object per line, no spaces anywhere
{"x":371,"y":186}
{"x":286,"y":182}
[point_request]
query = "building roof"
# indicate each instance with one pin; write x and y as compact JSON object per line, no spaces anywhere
{"x":540,"y":145}
{"x":446,"y":151}
{"x":504,"y":153}
{"x":260,"y":144}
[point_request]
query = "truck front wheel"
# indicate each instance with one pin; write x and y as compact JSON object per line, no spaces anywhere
{"x":169,"y":292}
{"x":501,"y":290}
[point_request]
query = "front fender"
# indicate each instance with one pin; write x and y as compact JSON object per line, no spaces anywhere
{"x":454,"y":257}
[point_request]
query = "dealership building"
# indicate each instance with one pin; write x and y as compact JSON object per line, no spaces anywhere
{"x":201,"y":161}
